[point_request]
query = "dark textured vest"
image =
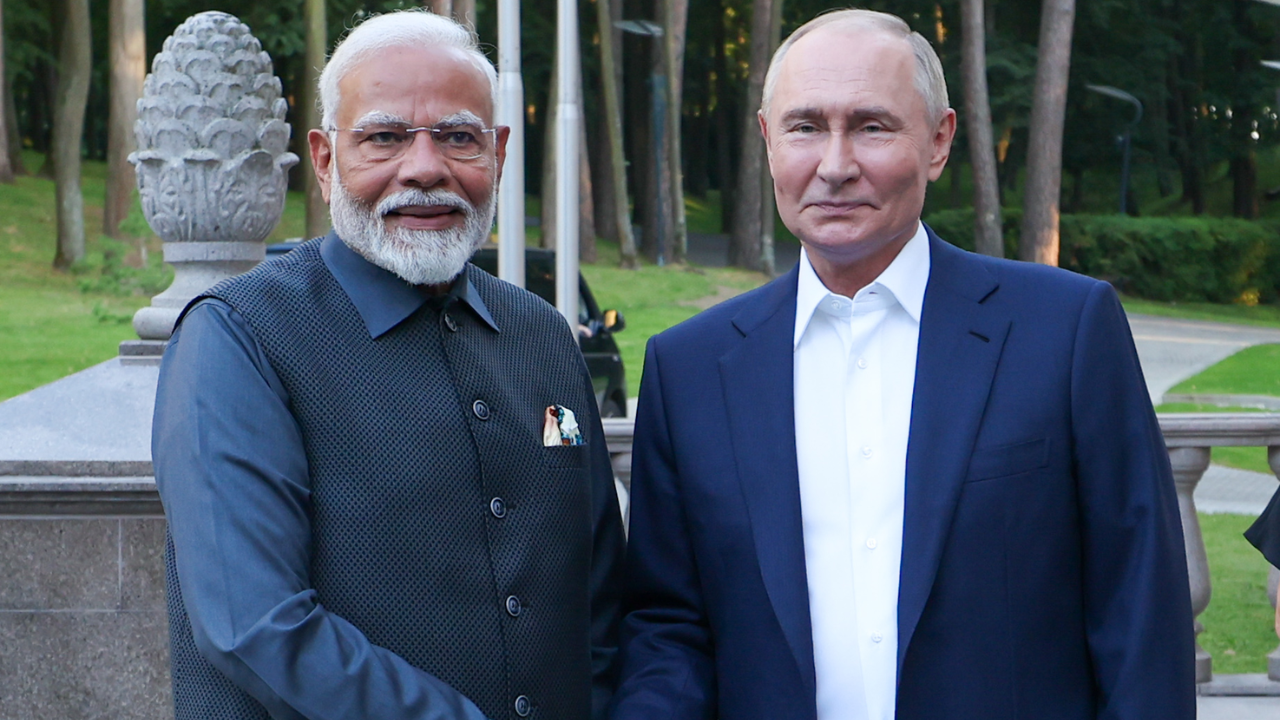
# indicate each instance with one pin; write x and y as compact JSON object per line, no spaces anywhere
{"x":404,"y":466}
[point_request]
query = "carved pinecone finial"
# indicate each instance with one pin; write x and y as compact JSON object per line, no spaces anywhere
{"x":212,"y":156}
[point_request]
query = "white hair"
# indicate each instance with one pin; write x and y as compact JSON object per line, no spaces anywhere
{"x":405,"y":28}
{"x":929,"y":80}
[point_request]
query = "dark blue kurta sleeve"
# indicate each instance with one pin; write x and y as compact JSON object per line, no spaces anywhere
{"x":232,"y":474}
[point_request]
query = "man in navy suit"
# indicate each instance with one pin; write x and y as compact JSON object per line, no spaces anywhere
{"x":902,"y":480}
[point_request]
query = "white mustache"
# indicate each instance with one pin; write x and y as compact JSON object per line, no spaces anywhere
{"x":413,"y":196}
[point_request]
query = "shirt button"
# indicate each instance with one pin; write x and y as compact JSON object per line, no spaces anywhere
{"x":523,"y":706}
{"x":480,"y":409}
{"x":450,"y":323}
{"x":866,"y":452}
{"x":862,"y":363}
{"x":875,"y":637}
{"x":498,"y":508}
{"x":513,"y":606}
{"x":871,"y":543}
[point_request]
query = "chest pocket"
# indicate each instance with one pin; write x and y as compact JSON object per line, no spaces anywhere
{"x":565,"y":456}
{"x":1006,"y":460}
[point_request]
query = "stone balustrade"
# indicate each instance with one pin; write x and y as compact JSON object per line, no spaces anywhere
{"x":1190,"y":437}
{"x":82,"y":621}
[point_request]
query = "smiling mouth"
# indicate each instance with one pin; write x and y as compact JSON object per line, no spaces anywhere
{"x":424,"y":211}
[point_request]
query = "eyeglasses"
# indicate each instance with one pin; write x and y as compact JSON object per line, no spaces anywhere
{"x":388,"y":142}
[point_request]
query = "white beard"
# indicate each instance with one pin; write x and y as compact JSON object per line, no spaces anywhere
{"x":420,"y":257}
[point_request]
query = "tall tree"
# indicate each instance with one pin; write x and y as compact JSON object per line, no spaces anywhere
{"x":982,"y":150}
{"x":675,"y":22}
{"x":68,"y":127}
{"x":128,"y":52}
{"x":316,"y":38}
{"x":1041,"y":196}
{"x":618,"y":228}
{"x":6,"y":168}
{"x":745,"y":246}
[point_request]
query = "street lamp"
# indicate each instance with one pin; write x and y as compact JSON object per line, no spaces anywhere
{"x":1125,"y":139}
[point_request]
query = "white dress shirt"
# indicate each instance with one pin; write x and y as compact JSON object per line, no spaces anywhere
{"x":855,"y":363}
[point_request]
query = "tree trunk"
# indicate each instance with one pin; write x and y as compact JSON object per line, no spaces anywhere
{"x":317,"y":219}
{"x":610,"y":77}
{"x":1041,"y":196}
{"x":768,"y":209}
{"x":14,"y":135}
{"x":676,"y":23}
{"x":982,"y":152}
{"x":6,"y":167}
{"x":68,"y":126}
{"x":723,"y":123}
{"x":440,"y":7}
{"x":745,"y":243}
{"x":464,"y":11}
{"x":586,"y":212}
{"x":586,"y":204}
{"x":128,"y":51}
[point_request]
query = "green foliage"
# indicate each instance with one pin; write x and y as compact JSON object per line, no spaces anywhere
{"x":104,"y":271}
{"x":1219,"y":260}
{"x":1239,"y":622}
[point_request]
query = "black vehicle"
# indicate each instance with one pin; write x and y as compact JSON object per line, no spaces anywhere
{"x":604,"y":362}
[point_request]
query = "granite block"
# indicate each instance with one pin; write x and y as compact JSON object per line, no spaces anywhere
{"x":142,"y":564}
{"x":68,"y":665}
{"x":59,"y":564}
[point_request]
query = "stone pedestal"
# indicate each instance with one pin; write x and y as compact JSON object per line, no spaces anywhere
{"x":83,"y":629}
{"x":1189,"y":464}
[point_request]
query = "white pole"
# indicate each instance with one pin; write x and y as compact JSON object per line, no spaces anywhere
{"x":570,"y":116}
{"x":511,"y":114}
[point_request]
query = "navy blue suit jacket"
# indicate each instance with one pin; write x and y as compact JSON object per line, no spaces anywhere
{"x":1043,"y":572}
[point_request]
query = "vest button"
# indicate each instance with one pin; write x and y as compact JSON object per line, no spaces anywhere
{"x":498,"y":508}
{"x":450,"y":323}
{"x":523,"y":706}
{"x":513,"y":606}
{"x":480,"y":409}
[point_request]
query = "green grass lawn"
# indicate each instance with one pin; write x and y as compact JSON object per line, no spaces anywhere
{"x":1239,"y":624}
{"x":1259,"y":315}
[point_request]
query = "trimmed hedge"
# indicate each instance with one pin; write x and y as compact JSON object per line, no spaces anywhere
{"x":1190,"y":259}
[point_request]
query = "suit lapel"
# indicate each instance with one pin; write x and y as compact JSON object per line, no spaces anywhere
{"x":756,"y":377}
{"x":960,"y":345}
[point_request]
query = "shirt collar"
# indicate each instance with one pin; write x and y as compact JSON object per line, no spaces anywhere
{"x":383,"y":299}
{"x":905,"y":279}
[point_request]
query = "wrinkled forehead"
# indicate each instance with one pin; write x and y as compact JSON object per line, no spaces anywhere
{"x":404,"y":81}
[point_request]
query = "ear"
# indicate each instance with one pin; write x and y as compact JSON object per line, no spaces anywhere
{"x":942,"y":137}
{"x":764,"y":133}
{"x":321,"y":156}
{"x":500,"y":136}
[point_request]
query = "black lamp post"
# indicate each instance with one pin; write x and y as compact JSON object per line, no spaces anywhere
{"x":1125,"y":139}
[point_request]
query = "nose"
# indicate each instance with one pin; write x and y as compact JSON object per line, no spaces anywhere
{"x":839,"y":162}
{"x":423,"y":165}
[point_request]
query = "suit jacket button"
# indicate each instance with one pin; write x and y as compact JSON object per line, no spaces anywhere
{"x":449,"y":322}
{"x":523,"y":706}
{"x":498,"y":508}
{"x":480,"y":409}
{"x":513,"y":606}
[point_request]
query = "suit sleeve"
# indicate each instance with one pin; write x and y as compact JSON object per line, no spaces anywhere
{"x":1137,"y":597}
{"x":1264,"y":534}
{"x":233,"y":477}
{"x":668,"y":668}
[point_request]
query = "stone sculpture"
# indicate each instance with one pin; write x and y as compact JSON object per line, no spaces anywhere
{"x":212,"y":159}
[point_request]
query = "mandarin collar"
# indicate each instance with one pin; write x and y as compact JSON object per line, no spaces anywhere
{"x":383,"y":299}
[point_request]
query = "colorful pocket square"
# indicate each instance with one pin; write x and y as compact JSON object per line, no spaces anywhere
{"x":560,"y":427}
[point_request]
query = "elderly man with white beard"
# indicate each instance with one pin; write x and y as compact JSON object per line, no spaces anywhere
{"x":386,"y":482}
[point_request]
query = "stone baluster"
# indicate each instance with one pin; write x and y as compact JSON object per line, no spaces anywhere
{"x":1189,"y":464}
{"x":212,"y":164}
{"x":1273,"y":577}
